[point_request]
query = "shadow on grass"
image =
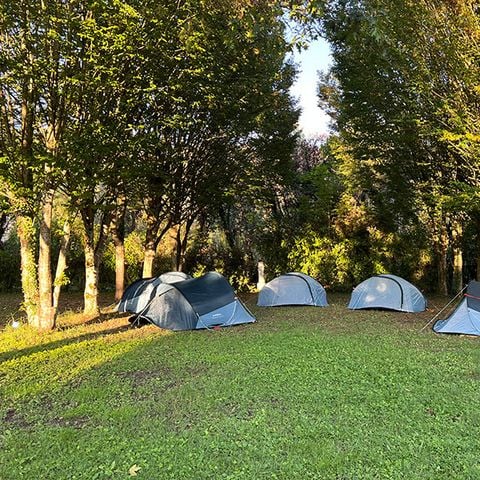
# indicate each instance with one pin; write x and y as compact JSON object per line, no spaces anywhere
{"x":70,"y":320}
{"x":44,"y":347}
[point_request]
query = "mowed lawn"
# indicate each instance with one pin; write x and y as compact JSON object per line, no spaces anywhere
{"x":305,"y":393}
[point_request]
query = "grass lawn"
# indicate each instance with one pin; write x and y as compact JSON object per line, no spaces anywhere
{"x":305,"y":393}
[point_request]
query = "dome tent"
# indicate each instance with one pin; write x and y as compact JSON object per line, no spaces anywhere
{"x":196,"y":303}
{"x":292,"y":289}
{"x":389,"y":292}
{"x":465,"y":319}
{"x":173,"y":277}
{"x":137,"y":295}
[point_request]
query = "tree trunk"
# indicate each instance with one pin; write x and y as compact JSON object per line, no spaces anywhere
{"x":178,"y":250}
{"x":46,"y":312}
{"x":119,"y":268}
{"x":25,"y":224}
{"x":261,"y":276}
{"x":442,"y":247}
{"x":152,"y":239}
{"x":93,"y":252}
{"x":118,"y":236}
{"x":61,"y":265}
{"x":148,"y":261}
{"x":90,"y":295}
{"x":457,"y":283}
{"x":181,"y":244}
{"x":26,"y":235}
{"x":150,"y":250}
{"x":93,"y":255}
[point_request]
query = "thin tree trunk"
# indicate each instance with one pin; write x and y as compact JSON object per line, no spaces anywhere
{"x":261,"y":275}
{"x":442,"y":247}
{"x":93,"y":256}
{"x":150,"y":249}
{"x":46,"y":312}
{"x":90,"y":295}
{"x":148,"y":260}
{"x":152,"y":240}
{"x":119,"y":269}
{"x":26,"y":235}
{"x":178,"y":249}
{"x":25,"y":224}
{"x":181,"y":244}
{"x":457,"y":282}
{"x":61,"y":265}
{"x":118,"y":236}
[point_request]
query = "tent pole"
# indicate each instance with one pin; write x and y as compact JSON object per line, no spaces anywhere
{"x":449,"y":303}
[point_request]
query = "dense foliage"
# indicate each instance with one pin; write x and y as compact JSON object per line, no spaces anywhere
{"x":134,"y":118}
{"x":403,"y":91}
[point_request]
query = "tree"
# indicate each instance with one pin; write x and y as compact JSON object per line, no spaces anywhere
{"x":399,"y":70}
{"x":207,"y":106}
{"x":32,"y":117}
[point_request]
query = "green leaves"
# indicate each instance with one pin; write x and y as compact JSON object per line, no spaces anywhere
{"x":402,"y":90}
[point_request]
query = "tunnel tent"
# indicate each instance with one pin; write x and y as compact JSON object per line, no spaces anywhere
{"x":137,"y":295}
{"x":197,"y":303}
{"x":465,"y":319}
{"x":292,"y":289}
{"x":387,"y":292}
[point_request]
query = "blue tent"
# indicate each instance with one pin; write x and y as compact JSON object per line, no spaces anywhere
{"x":137,"y":295}
{"x":196,"y":303}
{"x":292,"y":289}
{"x":389,"y":292}
{"x":466,"y":317}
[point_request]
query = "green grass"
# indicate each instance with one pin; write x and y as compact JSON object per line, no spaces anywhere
{"x":305,"y":393}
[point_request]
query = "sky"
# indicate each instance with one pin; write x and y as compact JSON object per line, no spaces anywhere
{"x":313,"y":121}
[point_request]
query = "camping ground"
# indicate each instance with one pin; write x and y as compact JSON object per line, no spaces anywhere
{"x":305,"y":393}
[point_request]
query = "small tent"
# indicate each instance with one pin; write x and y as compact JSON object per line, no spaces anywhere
{"x":466,"y":317}
{"x":196,"y":303}
{"x":292,"y":289}
{"x":389,"y":292}
{"x":137,"y":295}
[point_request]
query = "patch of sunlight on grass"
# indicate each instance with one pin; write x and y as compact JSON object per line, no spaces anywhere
{"x":34,"y":363}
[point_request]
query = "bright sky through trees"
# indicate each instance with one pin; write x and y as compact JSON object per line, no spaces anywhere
{"x":313,"y":120}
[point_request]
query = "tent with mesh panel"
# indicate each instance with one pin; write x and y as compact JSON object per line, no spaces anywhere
{"x":292,"y":289}
{"x":465,"y":319}
{"x":205,"y":302}
{"x":389,"y":292}
{"x":137,"y":295}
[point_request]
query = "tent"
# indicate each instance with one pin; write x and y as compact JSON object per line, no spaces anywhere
{"x":137,"y":295}
{"x":466,"y":317}
{"x":389,"y":292}
{"x":292,"y":289}
{"x":196,"y":303}
{"x":173,"y":277}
